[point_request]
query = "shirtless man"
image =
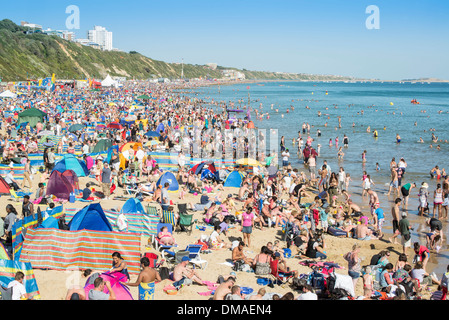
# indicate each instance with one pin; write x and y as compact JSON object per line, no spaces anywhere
{"x":242,"y":191}
{"x":223,"y":289}
{"x":373,"y":200}
{"x":395,"y":214}
{"x":189,"y":275}
{"x":363,"y":233}
{"x":238,"y":254}
{"x":146,"y":277}
{"x":353,"y":208}
{"x":394,"y":184}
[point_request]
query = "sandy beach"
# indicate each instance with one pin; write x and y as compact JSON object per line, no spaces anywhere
{"x":53,"y":285}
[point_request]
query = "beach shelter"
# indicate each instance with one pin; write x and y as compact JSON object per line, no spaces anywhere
{"x":234,"y":179}
{"x":4,"y":187}
{"x":131,"y":145}
{"x":102,"y":145}
{"x":206,"y":169}
{"x":116,"y":280}
{"x":91,"y":217}
{"x":133,"y":205}
{"x":8,"y":94}
{"x":70,"y":162}
{"x":171,"y":179}
{"x":31,"y":115}
{"x":71,"y":176}
{"x":49,"y":222}
{"x":152,"y":134}
{"x":59,"y":186}
{"x":115,"y":126}
{"x":144,"y":97}
{"x":160,"y":127}
{"x":76,"y":127}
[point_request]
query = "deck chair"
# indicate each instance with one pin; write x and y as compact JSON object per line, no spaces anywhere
{"x":186,"y":223}
{"x":194,"y":255}
{"x":174,"y":257}
{"x":279,"y":277}
{"x":153,"y":211}
{"x":6,"y":293}
{"x":17,"y":196}
{"x":182,"y":208}
{"x":156,"y":243}
{"x":169,"y":217}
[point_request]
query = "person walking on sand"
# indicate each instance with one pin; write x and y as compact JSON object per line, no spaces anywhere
{"x":395,"y":222}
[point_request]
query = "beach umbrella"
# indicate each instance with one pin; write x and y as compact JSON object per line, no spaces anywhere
{"x":76,"y":127}
{"x":248,"y":162}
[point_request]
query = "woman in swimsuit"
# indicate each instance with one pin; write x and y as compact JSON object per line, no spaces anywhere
{"x":437,"y":200}
{"x":166,"y":237}
{"x":119,"y":264}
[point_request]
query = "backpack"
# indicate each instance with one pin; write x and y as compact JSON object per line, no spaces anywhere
{"x":238,"y":265}
{"x":164,"y":273}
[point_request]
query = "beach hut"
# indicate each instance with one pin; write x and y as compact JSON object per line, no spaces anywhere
{"x":70,"y":162}
{"x":171,"y":179}
{"x":91,"y":217}
{"x":234,"y":179}
{"x":32,"y":116}
{"x":59,"y":186}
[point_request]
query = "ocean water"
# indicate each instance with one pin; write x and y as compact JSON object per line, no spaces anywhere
{"x":385,"y":107}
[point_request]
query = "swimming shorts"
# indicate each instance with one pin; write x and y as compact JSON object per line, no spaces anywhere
{"x":146,"y":291}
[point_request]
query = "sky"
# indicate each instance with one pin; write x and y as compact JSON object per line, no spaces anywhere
{"x":299,"y":36}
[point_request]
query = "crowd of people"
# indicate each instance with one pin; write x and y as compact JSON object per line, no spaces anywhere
{"x":304,"y":205}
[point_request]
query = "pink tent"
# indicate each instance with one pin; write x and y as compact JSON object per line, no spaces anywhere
{"x":121,"y":291}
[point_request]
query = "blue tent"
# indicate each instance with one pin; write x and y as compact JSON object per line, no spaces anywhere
{"x":70,"y":162}
{"x":50,"y":222}
{"x":91,"y":217}
{"x":234,"y":179}
{"x":110,"y":151}
{"x":133,"y":205}
{"x":171,"y":179}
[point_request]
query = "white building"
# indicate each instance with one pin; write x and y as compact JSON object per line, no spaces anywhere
{"x":233,"y":74}
{"x":30,"y":25}
{"x":101,"y":36}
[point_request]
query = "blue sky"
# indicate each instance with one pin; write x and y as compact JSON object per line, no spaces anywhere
{"x":318,"y":37}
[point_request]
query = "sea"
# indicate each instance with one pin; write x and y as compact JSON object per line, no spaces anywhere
{"x":382,"y":106}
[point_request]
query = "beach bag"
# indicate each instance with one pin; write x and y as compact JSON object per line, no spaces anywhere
{"x":164,"y":273}
{"x":122,"y":222}
{"x":262,"y":268}
{"x":238,"y":265}
{"x":204,"y":245}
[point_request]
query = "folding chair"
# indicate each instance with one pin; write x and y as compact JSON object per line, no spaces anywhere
{"x":186,"y":223}
{"x":194,"y":255}
{"x":182,"y":208}
{"x":279,"y":277}
{"x":174,"y":257}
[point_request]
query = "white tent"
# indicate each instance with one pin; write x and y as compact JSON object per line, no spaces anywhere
{"x":108,"y":82}
{"x":8,"y":94}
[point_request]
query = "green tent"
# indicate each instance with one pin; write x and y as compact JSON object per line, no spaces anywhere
{"x":31,"y":115}
{"x":144,"y":97}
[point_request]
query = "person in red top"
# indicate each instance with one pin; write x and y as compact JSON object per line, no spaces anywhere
{"x":422,"y":252}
